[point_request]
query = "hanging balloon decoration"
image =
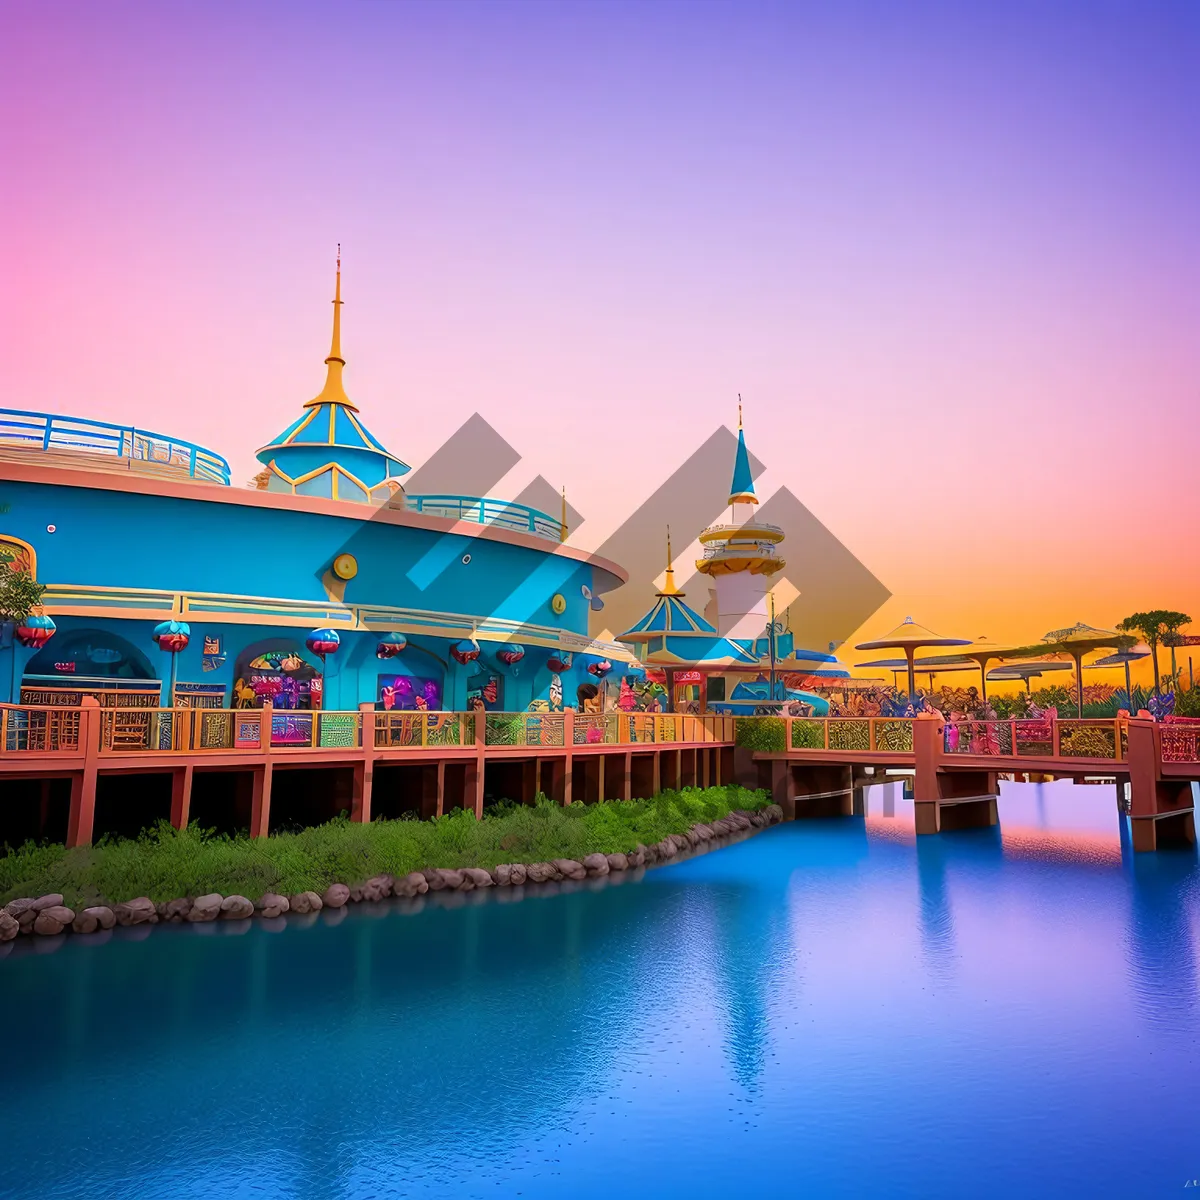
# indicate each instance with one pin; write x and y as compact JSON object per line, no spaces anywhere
{"x":35,"y":631}
{"x":292,"y":662}
{"x":510,"y":654}
{"x":464,"y":651}
{"x":172,"y":636}
{"x":390,"y":644}
{"x":559,"y":663}
{"x":323,"y":641}
{"x":600,"y":669}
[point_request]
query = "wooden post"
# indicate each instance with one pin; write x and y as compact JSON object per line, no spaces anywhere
{"x":181,"y":796}
{"x":627,"y":783}
{"x":927,"y":737}
{"x":569,"y":757}
{"x":260,"y":801}
{"x":364,"y":772}
{"x":82,"y":816}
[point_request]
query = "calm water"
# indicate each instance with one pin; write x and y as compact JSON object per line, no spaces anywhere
{"x":828,"y":1009}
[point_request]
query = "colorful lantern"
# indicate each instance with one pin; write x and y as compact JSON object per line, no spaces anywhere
{"x":464,"y":651}
{"x":559,"y":662}
{"x":323,"y":641}
{"x":600,"y":669}
{"x":510,"y":654}
{"x":293,"y":662}
{"x":35,"y":631}
{"x":390,"y":644}
{"x":172,"y":636}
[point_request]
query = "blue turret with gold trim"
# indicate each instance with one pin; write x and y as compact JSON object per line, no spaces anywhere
{"x":327,"y":451}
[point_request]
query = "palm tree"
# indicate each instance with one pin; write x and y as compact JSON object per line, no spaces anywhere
{"x":1156,"y":626}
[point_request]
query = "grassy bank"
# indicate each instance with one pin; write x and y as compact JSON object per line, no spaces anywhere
{"x":164,"y":863}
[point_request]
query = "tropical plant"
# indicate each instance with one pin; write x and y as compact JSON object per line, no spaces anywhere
{"x":1187,"y":704}
{"x":20,"y":594}
{"x":1154,"y":625}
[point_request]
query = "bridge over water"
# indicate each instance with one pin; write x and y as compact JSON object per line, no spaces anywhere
{"x":59,"y":764}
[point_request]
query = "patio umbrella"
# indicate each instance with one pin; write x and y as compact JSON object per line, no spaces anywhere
{"x":1028,"y":671}
{"x":1122,"y":658}
{"x":910,"y":637}
{"x":924,"y":666}
{"x":980,"y":652}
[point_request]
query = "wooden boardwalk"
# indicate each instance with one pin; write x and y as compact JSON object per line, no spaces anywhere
{"x":813,"y":766}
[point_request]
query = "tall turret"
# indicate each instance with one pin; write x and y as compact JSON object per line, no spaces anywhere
{"x":741,"y":556}
{"x":327,"y":451}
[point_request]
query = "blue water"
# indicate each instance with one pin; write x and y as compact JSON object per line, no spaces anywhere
{"x":827,"y":1009}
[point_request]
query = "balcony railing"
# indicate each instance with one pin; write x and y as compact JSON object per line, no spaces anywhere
{"x":479,"y":510}
{"x":1041,"y":738}
{"x":48,"y":433}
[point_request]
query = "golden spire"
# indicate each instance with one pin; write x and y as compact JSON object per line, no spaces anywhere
{"x":334,"y":391}
{"x":562,"y":535}
{"x":739,"y":410}
{"x":669,"y":588}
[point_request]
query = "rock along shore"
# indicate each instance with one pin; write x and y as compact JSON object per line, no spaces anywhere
{"x":48,"y":917}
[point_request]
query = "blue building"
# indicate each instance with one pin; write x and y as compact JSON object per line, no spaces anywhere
{"x":324,"y":585}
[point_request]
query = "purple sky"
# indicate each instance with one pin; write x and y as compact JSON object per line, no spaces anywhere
{"x":948,"y":253}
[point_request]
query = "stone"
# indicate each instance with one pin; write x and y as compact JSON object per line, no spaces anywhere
{"x":451,"y":879}
{"x":568,"y":868}
{"x":502,"y":875}
{"x":596,"y":865}
{"x":433,"y":877}
{"x":205,"y":908}
{"x":53,"y":900}
{"x":539,"y":872}
{"x":356,"y":894}
{"x":774,"y":813}
{"x":15,"y":908}
{"x":136,"y":912}
{"x":616,"y":862}
{"x":380,"y":884}
{"x":519,"y":875}
{"x":758,"y":820}
{"x":478,"y":876}
{"x":105,"y":917}
{"x":236,"y":908}
{"x":305,"y":902}
{"x":271,"y":905}
{"x":52,"y":920}
{"x":176,"y":910}
{"x":336,"y":895}
{"x":85,"y":922}
{"x":693,"y":838}
{"x":9,"y":927}
{"x":417,"y":882}
{"x":637,"y":858}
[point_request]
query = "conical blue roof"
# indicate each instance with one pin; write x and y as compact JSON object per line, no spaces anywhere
{"x":741,"y":491}
{"x":327,"y":451}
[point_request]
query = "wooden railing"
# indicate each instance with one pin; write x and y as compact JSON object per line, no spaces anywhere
{"x":889,"y":734}
{"x":54,"y":729}
{"x":1042,"y":738}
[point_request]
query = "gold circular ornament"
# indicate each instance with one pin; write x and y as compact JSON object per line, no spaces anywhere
{"x":558,"y":604}
{"x":345,"y":566}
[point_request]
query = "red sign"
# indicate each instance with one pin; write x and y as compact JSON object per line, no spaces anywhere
{"x":1189,"y":639}
{"x":688,"y":676}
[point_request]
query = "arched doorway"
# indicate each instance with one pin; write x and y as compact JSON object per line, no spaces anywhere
{"x":90,"y":662}
{"x":279,"y":670}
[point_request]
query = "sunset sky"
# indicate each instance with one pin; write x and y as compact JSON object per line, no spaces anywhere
{"x":948,"y":253}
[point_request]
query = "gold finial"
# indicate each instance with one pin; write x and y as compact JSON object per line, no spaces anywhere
{"x":669,"y":588}
{"x":739,"y":410}
{"x":334,"y":391}
{"x":562,"y":535}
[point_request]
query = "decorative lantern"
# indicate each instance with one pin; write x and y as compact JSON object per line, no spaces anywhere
{"x":390,"y":644}
{"x":464,"y":651}
{"x":559,"y":663}
{"x":511,"y":654}
{"x":600,"y":669}
{"x":35,"y":631}
{"x":323,"y":641}
{"x":293,"y":662}
{"x":172,"y":636}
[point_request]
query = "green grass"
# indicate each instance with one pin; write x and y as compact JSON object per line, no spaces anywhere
{"x":165,"y":863}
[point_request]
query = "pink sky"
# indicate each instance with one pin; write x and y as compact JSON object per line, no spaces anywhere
{"x":949,"y":256}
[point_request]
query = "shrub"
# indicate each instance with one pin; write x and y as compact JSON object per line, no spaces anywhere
{"x":165,"y":863}
{"x":765,"y":734}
